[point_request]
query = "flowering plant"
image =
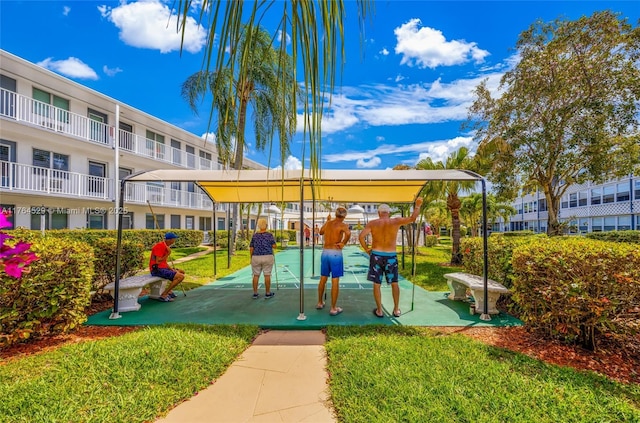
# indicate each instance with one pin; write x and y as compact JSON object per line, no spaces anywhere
{"x":14,"y":259}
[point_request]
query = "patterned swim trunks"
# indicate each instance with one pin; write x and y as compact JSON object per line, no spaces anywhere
{"x":383,"y":263}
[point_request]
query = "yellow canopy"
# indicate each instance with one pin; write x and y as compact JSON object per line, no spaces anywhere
{"x":276,"y":186}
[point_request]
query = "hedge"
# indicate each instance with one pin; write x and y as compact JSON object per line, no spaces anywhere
{"x":616,"y":236}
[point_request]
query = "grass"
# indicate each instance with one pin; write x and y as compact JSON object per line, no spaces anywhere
{"x":431,"y":265}
{"x":131,"y":378}
{"x":404,"y":374}
{"x":377,"y":373}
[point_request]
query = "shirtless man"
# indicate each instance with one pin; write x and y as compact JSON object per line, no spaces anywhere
{"x":336,"y":235}
{"x":383,"y":259}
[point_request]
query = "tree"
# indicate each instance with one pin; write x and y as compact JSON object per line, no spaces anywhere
{"x":471,"y":211}
{"x":263,"y":84}
{"x":450,"y":190}
{"x":317,"y":40}
{"x":567,"y":113}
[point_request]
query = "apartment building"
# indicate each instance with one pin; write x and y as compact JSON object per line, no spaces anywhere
{"x":64,"y":148}
{"x":589,"y":207}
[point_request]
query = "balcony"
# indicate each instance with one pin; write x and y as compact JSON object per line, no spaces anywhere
{"x":38,"y":114}
{"x":35,"y":180}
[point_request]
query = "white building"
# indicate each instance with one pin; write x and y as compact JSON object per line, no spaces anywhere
{"x":63,"y":148}
{"x":614,"y":205}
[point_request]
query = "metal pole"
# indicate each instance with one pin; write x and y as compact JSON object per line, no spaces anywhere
{"x":485,"y":274}
{"x":229,"y":225}
{"x":215,"y":242}
{"x":116,"y":291}
{"x":301,"y":316}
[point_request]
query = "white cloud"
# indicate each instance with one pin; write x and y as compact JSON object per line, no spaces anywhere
{"x":111,"y":72}
{"x":66,"y":10}
{"x":150,"y":24}
{"x":287,"y":38}
{"x":71,"y":67}
{"x":427,"y":47}
{"x":384,"y":52}
{"x":292,"y":163}
{"x":368,"y":164}
{"x":209,"y":137}
{"x":437,"y":150}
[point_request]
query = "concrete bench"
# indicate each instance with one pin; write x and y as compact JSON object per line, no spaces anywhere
{"x":131,"y":287}
{"x":459,"y":282}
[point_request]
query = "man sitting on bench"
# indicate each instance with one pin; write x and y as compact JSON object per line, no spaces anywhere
{"x":158,"y":266}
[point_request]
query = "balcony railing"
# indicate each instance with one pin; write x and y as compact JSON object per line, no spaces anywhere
{"x":39,"y":180}
{"x":24,"y":109}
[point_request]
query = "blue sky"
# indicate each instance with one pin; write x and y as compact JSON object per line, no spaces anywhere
{"x":402,"y":95}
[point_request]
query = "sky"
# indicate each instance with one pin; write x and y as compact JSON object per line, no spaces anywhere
{"x":402,"y":94}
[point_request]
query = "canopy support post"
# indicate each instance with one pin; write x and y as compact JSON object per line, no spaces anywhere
{"x":485,"y":273}
{"x":301,"y":316}
{"x":215,"y":243}
{"x":116,"y":291}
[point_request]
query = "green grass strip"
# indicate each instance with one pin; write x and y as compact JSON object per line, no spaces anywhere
{"x":136,"y":377}
{"x":402,"y":374}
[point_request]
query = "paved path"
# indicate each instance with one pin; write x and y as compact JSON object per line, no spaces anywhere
{"x":281,"y":377}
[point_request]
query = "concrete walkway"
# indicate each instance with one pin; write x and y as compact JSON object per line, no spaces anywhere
{"x":281,"y":377}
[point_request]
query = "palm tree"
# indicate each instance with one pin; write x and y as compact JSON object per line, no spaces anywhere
{"x":450,"y":189}
{"x":263,"y":84}
{"x":317,"y":40}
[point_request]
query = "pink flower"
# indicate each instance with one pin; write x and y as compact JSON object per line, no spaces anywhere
{"x":14,"y":260}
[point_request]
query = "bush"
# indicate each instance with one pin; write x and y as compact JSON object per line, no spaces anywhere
{"x":632,"y":237}
{"x":430,"y":241}
{"x":499,"y":249}
{"x":577,"y":289}
{"x":131,"y":260}
{"x":51,"y":298}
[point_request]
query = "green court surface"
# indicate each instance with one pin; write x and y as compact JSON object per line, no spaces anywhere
{"x":229,"y":300}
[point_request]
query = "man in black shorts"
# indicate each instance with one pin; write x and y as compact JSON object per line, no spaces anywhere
{"x":383,"y":259}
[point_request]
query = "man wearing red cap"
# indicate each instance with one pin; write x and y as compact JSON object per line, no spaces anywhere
{"x":158,"y":266}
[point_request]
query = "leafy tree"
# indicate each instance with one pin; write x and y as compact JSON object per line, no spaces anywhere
{"x":471,"y":211}
{"x":263,"y":83}
{"x":460,"y":159}
{"x":567,"y":113}
{"x":317,"y":43}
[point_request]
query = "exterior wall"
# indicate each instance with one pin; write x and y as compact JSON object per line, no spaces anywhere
{"x":590,"y":207}
{"x":94,"y":132}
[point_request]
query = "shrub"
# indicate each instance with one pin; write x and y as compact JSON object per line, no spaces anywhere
{"x":430,"y":241}
{"x":51,"y":298}
{"x":499,"y":249}
{"x":616,"y":236}
{"x":578,"y":289}
{"x":131,"y":260}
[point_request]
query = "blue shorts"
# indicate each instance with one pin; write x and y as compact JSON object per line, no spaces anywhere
{"x":383,"y":263}
{"x":164,"y":273}
{"x":331,"y":263}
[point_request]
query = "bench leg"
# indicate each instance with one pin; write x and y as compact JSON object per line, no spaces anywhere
{"x":492,"y":299}
{"x":157,"y":288}
{"x":128,"y":299}
{"x":458,"y":290}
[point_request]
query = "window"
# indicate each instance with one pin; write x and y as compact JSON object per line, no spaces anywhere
{"x":98,"y":129}
{"x":96,"y":180}
{"x":608,"y":194}
{"x":127,"y":220}
{"x":126,"y":136}
{"x":637,"y":190}
{"x":39,"y":218}
{"x":221,"y":224}
{"x":596,"y":196}
{"x":53,"y":117}
{"x":205,"y":223}
{"x":9,"y":97}
{"x":59,"y":220}
{"x":622,"y":192}
{"x":175,"y":221}
{"x":543,"y":204}
{"x":150,"y":222}
{"x":565,"y":202}
{"x":624,"y":223}
{"x":96,"y":221}
{"x":596,"y":224}
{"x":610,"y":223}
{"x":52,"y":219}
{"x":191,"y":158}
{"x":582,"y":198}
{"x":175,"y":192}
{"x":205,"y":160}
{"x":573,"y":200}
{"x":188,"y":222}
{"x":155,"y":145}
{"x":583,"y":225}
